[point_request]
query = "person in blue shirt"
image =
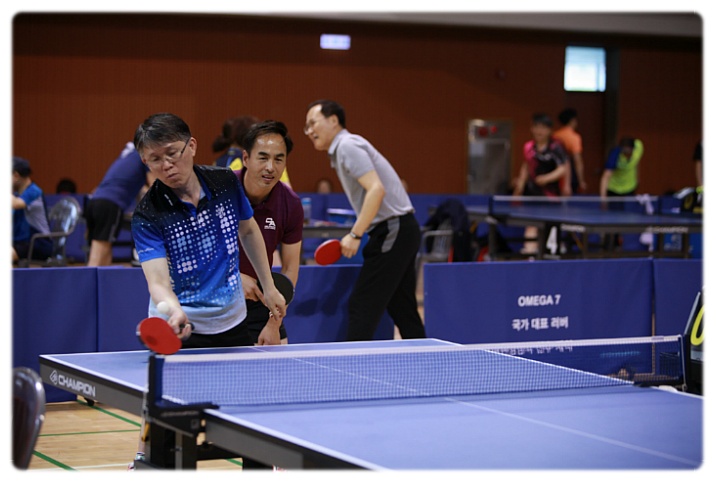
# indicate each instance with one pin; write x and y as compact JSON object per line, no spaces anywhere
{"x":186,"y":230}
{"x":29,"y":214}
{"x":105,"y":210}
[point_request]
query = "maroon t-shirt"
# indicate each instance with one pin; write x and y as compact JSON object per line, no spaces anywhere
{"x":280,"y":219}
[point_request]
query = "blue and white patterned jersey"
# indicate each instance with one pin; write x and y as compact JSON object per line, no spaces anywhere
{"x":201,"y":246}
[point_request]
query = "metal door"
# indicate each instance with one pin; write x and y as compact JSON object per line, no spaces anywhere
{"x":489,"y":156}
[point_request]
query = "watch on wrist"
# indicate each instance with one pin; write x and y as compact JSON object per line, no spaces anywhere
{"x":354,"y":235}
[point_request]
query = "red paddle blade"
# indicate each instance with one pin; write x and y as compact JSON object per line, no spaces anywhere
{"x":328,"y":252}
{"x":158,"y":336}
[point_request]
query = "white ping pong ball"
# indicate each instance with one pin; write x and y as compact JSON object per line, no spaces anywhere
{"x":163,"y":307}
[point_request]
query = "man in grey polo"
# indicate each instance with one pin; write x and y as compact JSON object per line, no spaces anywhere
{"x":384,"y":212}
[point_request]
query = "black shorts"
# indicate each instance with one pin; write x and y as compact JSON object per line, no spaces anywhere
{"x":236,"y":336}
{"x":256,"y":317}
{"x":104,"y":220}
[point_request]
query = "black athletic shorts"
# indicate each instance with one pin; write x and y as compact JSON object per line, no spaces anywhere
{"x":236,"y":336}
{"x":104,"y":220}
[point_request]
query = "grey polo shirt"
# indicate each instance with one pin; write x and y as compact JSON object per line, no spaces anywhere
{"x":352,"y":156}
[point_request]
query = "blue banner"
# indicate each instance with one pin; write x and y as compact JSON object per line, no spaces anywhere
{"x":676,"y":284}
{"x":54,"y":310}
{"x":319,"y":312}
{"x":123,"y":302}
{"x":517,"y":301}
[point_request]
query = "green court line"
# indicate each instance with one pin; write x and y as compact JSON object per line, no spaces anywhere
{"x":86,"y":433}
{"x":52,"y":461}
{"x":112,"y":414}
{"x":59,"y":464}
{"x":104,"y":411}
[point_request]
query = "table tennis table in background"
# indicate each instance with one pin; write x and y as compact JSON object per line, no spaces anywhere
{"x":388,"y":421}
{"x":325,"y":230}
{"x":584,"y":216}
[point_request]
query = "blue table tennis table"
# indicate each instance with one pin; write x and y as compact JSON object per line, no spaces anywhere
{"x":613,"y":427}
{"x":584,"y":217}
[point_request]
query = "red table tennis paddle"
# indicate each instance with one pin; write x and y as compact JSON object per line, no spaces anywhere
{"x":328,"y":252}
{"x":158,"y":336}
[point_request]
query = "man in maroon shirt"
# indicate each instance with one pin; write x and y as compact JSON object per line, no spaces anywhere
{"x":277,"y":211}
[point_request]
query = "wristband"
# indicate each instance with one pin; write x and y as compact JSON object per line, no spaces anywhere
{"x":354,"y":235}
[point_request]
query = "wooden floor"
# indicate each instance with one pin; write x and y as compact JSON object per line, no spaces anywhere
{"x":76,"y":436}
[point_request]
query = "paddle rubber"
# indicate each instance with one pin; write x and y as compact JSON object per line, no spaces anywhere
{"x":328,"y":252}
{"x":283,"y":285}
{"x":157,"y":335}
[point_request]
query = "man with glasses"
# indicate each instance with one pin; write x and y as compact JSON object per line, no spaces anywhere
{"x":384,"y":212}
{"x":186,"y":231}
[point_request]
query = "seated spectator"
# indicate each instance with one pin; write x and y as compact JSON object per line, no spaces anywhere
{"x":29,"y":214}
{"x":324,"y":186}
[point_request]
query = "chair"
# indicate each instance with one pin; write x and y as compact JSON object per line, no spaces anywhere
{"x":435,"y":247}
{"x":439,"y":245}
{"x":62,"y":218}
{"x":436,"y":244}
{"x":28,"y":414}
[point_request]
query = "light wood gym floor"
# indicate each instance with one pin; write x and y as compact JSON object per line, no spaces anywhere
{"x":76,"y":436}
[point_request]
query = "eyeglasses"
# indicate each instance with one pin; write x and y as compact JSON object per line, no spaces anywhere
{"x":170,"y":158}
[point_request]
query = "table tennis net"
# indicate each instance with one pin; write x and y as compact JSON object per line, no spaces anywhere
{"x":289,"y":376}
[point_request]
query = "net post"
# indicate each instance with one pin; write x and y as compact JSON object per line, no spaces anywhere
{"x":154,"y":380}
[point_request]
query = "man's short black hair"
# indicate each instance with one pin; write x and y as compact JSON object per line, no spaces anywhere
{"x":542,"y":118}
{"x":627,"y":142}
{"x":66,"y":185}
{"x":267,"y":127}
{"x":566,"y":116}
{"x":162,"y":128}
{"x":21,"y":166}
{"x":329,"y":108}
